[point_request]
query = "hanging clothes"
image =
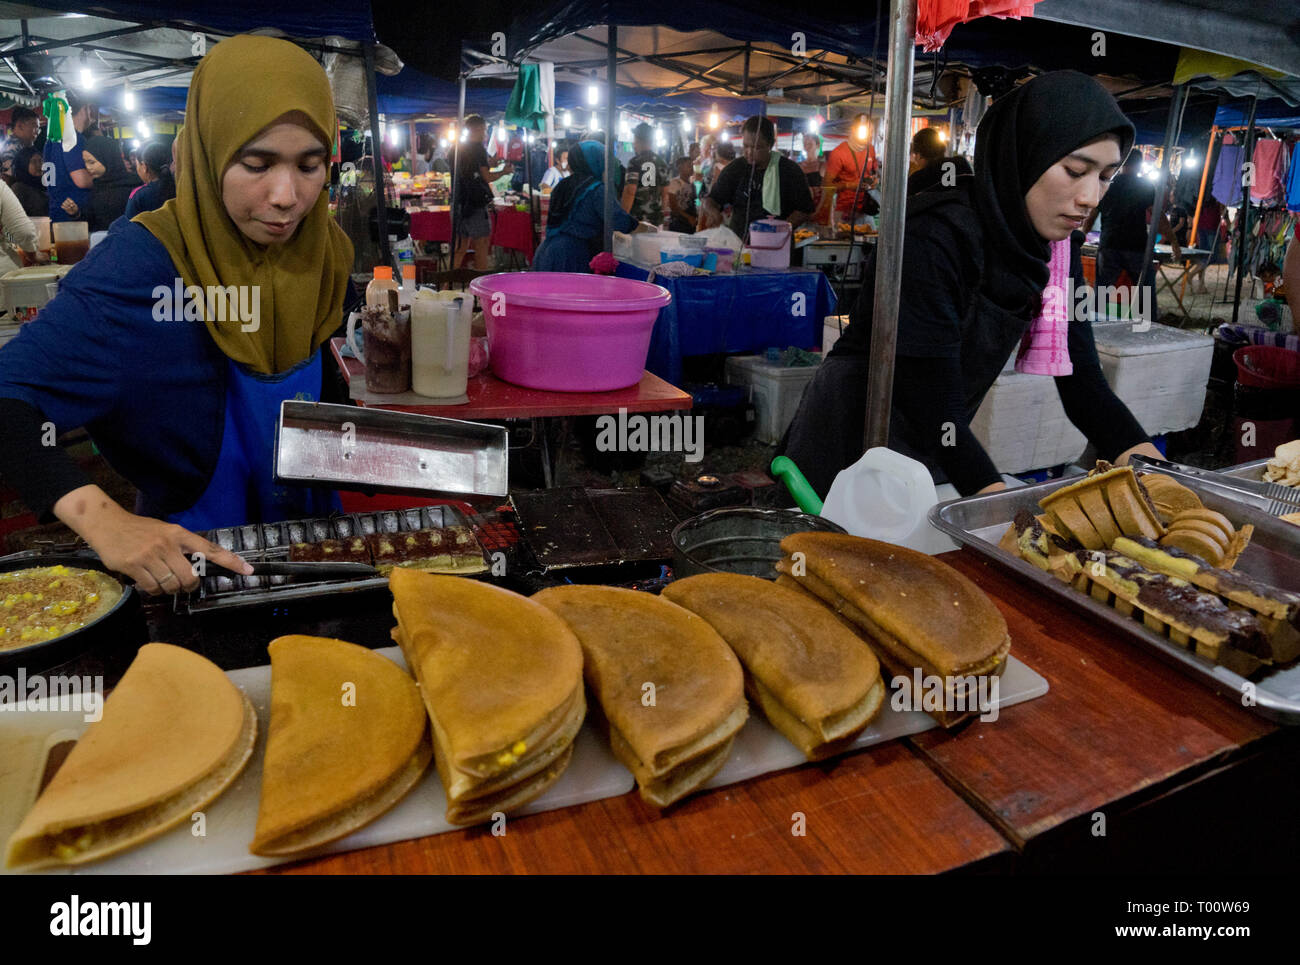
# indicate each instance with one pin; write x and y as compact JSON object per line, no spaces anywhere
{"x":935,"y":19}
{"x":1270,"y":160}
{"x":1227,"y":173}
{"x":1293,"y":183}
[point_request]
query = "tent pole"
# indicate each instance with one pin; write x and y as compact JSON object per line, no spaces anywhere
{"x":455,"y":169}
{"x":611,"y":122}
{"x":893,"y":206}
{"x":377,"y":156}
{"x":1200,"y":203}
{"x":1243,"y":216}
{"x":1158,"y":209}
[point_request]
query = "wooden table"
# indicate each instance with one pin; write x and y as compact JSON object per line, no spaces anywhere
{"x":493,"y":399}
{"x":1182,"y":776}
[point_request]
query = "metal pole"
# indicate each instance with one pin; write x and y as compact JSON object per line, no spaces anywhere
{"x":1205,"y":178}
{"x":377,"y":156}
{"x":893,"y":207}
{"x":1243,"y":215}
{"x":611,"y":122}
{"x":1158,"y":208}
{"x":455,"y":168}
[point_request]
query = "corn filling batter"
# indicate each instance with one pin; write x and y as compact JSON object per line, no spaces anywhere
{"x":45,"y":602}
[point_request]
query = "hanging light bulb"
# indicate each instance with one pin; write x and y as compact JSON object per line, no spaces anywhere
{"x":943,"y":136}
{"x":142,"y":127}
{"x":442,"y":143}
{"x":394,"y":135}
{"x":87,"y":75}
{"x":501,"y":132}
{"x":686,"y":124}
{"x":128,"y":97}
{"x":1190,"y":161}
{"x":862,"y":131}
{"x":713,"y":119}
{"x":724,"y":136}
{"x":660,"y":140}
{"x":464,"y":133}
{"x":593,"y":93}
{"x":814,"y":126}
{"x":595,"y":121}
{"x":568,"y":120}
{"x":451,"y":131}
{"x":135,"y":142}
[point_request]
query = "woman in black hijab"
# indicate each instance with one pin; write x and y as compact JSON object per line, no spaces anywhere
{"x":27,"y":185}
{"x":975,"y":263}
{"x":113,"y":187}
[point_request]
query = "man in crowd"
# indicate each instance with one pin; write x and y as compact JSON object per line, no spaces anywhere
{"x":844,"y":171}
{"x":763,"y":185}
{"x":24,"y":125}
{"x":70,"y":185}
{"x":647,"y":179}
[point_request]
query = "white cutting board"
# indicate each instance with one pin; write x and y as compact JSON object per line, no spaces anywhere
{"x":593,"y":774}
{"x":760,"y":748}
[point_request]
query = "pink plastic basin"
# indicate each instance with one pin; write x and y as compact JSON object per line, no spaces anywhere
{"x":568,"y":332}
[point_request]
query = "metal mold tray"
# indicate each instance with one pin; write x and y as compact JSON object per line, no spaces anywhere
{"x":264,"y":542}
{"x":1273,"y":556}
{"x":392,"y":452}
{"x":572,"y":526}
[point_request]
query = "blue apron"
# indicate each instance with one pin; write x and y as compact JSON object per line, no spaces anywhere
{"x":242,"y":488}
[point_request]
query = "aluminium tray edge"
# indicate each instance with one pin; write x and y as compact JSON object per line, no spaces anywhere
{"x":1267,"y":703}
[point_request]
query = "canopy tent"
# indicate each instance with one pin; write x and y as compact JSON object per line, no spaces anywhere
{"x":413,"y":94}
{"x":47,"y":47}
{"x":1268,"y":113}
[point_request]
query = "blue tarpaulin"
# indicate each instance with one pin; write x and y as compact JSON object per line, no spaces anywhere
{"x":1270,"y":113}
{"x":747,"y":311}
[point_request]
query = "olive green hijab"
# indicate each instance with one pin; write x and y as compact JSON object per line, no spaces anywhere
{"x":240,"y":88}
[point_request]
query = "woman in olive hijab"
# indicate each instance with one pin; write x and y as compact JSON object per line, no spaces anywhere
{"x":176,"y":339}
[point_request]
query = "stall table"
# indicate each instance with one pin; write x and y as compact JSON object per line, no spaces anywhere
{"x":1119,"y":734}
{"x":745,"y":311}
{"x":492,"y":398}
{"x":512,"y":230}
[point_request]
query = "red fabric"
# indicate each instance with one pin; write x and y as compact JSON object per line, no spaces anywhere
{"x":431,"y":226}
{"x":513,"y":229}
{"x":845,"y":164}
{"x":1209,"y":220}
{"x":936,"y":18}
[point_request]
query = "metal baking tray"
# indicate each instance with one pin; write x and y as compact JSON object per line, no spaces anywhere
{"x":573,"y":526}
{"x":1273,"y":556}
{"x":270,"y":541}
{"x":377,"y":450}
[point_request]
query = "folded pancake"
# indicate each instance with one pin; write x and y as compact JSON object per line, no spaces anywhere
{"x":501,"y":679}
{"x":675,"y":735}
{"x":1100,"y":507}
{"x":814,"y":679}
{"x":175,"y":733}
{"x":927,"y":611}
{"x":334,"y":765}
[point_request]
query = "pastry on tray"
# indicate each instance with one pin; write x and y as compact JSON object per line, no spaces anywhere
{"x":1105,"y":504}
{"x":913,"y":610}
{"x":815,"y":680}
{"x":501,"y":678}
{"x":670,"y":689}
{"x":332,"y":766}
{"x":1169,"y":496}
{"x":352,"y":550}
{"x":452,"y":550}
{"x":1209,"y":535}
{"x":174,"y":734}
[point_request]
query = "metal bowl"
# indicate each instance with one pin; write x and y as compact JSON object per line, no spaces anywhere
{"x":105,"y":629}
{"x":739,"y":540}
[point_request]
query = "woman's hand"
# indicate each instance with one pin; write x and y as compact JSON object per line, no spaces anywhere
{"x":1141,"y":449}
{"x":70,"y":207}
{"x":148,"y":551}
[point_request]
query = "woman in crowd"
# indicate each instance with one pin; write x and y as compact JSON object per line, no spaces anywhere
{"x":576,"y":222}
{"x":186,"y":409}
{"x":986,"y":267}
{"x":27,"y":184}
{"x":682,"y":212}
{"x":18,"y":231}
{"x":154,"y":169}
{"x":113,"y":182}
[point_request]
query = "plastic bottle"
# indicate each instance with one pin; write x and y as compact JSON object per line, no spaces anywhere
{"x":407,"y":291}
{"x":887,"y":496}
{"x":377,"y":291}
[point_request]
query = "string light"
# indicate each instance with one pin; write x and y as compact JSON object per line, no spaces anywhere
{"x":128,"y":97}
{"x":713,"y":119}
{"x":593,"y":93}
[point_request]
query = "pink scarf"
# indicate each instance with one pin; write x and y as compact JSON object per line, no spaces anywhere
{"x":1044,"y":350}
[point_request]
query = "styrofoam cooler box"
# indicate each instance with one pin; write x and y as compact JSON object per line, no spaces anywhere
{"x":774,"y":389}
{"x":1160,"y":374}
{"x":1022,"y":425}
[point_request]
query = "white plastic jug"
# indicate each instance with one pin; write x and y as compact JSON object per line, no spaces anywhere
{"x":886,"y":495}
{"x":440,"y":336}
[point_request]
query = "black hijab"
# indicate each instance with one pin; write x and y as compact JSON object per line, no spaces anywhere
{"x":22,"y":161}
{"x":1021,"y":135}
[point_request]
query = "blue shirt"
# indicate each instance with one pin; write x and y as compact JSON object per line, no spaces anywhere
{"x":63,"y":186}
{"x":151,"y":394}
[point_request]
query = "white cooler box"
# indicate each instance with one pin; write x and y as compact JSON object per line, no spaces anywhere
{"x":1160,"y":374}
{"x":774,"y":389}
{"x":24,"y":291}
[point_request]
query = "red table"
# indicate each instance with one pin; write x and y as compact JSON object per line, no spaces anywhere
{"x":431,"y":225}
{"x":491,"y":398}
{"x":512,"y":230}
